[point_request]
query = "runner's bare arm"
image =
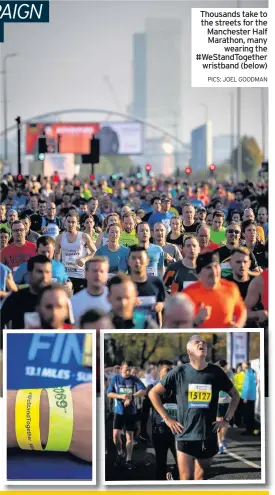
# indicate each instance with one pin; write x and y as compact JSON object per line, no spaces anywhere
{"x":99,"y":240}
{"x":113,"y":395}
{"x":89,"y":243}
{"x":235,"y":399}
{"x":154,"y":396}
{"x":254,"y":294}
{"x":57,"y":252}
{"x":140,"y":393}
{"x":11,"y":285}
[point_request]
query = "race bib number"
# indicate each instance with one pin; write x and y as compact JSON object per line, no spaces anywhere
{"x":125,"y":390}
{"x":151,"y":271}
{"x":199,"y":395}
{"x":70,"y":261}
{"x":186,"y":284}
{"x":172,"y":410}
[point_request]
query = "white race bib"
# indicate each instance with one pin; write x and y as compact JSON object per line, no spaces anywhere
{"x":150,"y":271}
{"x":186,"y":284}
{"x":172,"y":410}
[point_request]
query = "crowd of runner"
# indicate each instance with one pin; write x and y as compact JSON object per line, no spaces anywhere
{"x":165,"y":254}
{"x":174,"y":405}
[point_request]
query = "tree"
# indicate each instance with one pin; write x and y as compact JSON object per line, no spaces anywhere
{"x":142,"y":347}
{"x":251,"y":157}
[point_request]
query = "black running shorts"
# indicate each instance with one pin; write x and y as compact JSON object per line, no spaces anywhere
{"x":198,"y":449}
{"x":126,"y":421}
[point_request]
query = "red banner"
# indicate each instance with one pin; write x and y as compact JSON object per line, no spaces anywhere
{"x":65,"y":138}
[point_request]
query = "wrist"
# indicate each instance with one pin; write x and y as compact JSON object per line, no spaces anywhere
{"x":44,"y":417}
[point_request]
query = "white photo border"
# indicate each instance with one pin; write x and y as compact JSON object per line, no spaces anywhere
{"x":40,"y":483}
{"x":187,"y":482}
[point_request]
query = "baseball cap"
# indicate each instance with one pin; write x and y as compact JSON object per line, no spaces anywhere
{"x":206,"y":259}
{"x":201,"y":208}
{"x":165,"y":199}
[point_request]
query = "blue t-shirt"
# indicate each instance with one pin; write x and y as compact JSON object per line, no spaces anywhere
{"x":198,"y":203}
{"x":120,"y":385}
{"x":4,"y":272}
{"x":164,"y":218}
{"x":118,"y":260}
{"x":59,"y":274}
{"x":156,"y":257}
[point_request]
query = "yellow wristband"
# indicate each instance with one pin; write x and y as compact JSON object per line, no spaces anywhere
{"x":27,"y":419}
{"x":61,"y":419}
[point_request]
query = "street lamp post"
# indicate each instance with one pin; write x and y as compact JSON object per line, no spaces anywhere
{"x":5,"y":102}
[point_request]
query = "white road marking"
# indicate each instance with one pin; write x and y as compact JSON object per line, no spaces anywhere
{"x":242,"y":459}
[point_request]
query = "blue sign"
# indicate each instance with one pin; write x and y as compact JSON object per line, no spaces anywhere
{"x":23,"y":12}
{"x":37,"y":360}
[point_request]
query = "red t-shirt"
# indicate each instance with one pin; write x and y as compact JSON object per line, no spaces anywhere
{"x":14,"y":256}
{"x":210,"y":247}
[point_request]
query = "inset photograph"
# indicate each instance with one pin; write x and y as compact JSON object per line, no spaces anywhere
{"x":50,"y":397}
{"x":183,"y":406}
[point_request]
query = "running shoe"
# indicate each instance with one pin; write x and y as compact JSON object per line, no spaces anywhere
{"x":129,"y":465}
{"x":144,"y":437}
{"x":169,"y":476}
{"x":119,"y":460}
{"x":224,"y":444}
{"x":221,"y":451}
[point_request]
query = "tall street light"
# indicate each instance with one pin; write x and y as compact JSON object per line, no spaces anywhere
{"x":5,"y":101}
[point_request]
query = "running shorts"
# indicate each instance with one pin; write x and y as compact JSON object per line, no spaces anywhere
{"x":199,"y":449}
{"x":126,"y":421}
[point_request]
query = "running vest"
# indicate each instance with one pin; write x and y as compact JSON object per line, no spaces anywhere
{"x":265,"y":291}
{"x":71,"y":251}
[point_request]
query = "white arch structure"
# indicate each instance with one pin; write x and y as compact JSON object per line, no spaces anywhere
{"x":125,"y":116}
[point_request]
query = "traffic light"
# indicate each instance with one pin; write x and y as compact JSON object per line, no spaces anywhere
{"x":19,"y":178}
{"x":94,"y":155}
{"x":188,"y":170}
{"x":148,"y":169}
{"x":42,"y":147}
{"x":94,"y":150}
{"x":92,"y":176}
{"x":212,"y":169}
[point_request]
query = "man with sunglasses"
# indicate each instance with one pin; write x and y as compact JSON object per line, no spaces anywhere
{"x":53,"y":223}
{"x":196,"y":386}
{"x":233,"y":236}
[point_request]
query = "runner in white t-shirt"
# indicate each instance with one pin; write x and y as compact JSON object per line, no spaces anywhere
{"x":96,"y":293}
{"x":71,"y":247}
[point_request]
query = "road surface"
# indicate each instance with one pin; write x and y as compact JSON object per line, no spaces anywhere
{"x":241,"y":461}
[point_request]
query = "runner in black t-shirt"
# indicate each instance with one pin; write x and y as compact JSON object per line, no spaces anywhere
{"x":182,"y":273}
{"x":188,"y":218}
{"x":162,"y":437}
{"x":197,"y":386}
{"x":233,"y":236}
{"x":151,"y":290}
{"x":240,"y":263}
